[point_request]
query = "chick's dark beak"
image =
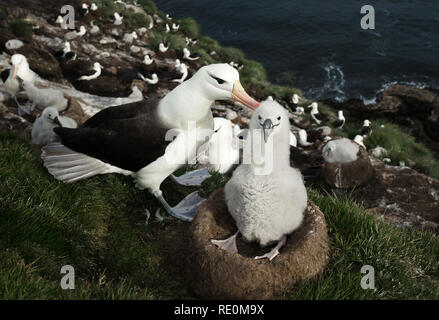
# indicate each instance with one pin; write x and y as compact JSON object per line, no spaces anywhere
{"x":268,"y":129}
{"x":56,"y":120}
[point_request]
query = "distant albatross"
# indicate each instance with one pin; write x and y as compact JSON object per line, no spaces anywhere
{"x":149,"y":139}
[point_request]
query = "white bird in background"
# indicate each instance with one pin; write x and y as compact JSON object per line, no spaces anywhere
{"x":93,"y":7}
{"x":42,"y":129}
{"x":266,"y":205}
{"x":359,"y":139}
{"x":221,"y":152}
{"x":293,"y":140}
{"x":141,"y":31}
{"x":162,"y":47}
{"x":167,"y":28}
{"x":45,"y":97}
{"x":117,"y":19}
{"x":315,"y":114}
{"x":175,"y":27}
{"x":154,"y":78}
{"x":191,"y":42}
{"x":187,"y":55}
{"x":151,"y":23}
{"x":299,"y":111}
{"x":168,"y":16}
{"x":339,"y":123}
{"x":183,"y":69}
{"x":147,"y":60}
{"x":340,"y":151}
{"x":94,"y":28}
{"x":129,"y":37}
{"x":75,"y":34}
{"x":366,"y":130}
{"x":14,"y":44}
{"x":84,"y":9}
{"x":303,"y":137}
{"x":19,"y":72}
{"x":295,"y":98}
{"x":97,"y":67}
{"x":60,"y":21}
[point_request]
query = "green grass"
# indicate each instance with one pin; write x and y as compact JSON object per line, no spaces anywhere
{"x":21,"y":28}
{"x":406,"y":262}
{"x":134,"y":21}
{"x":189,"y":27}
{"x":402,"y":147}
{"x":98,"y":227}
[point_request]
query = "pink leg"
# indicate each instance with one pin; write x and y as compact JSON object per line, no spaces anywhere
{"x":228,"y":244}
{"x":275,"y":251}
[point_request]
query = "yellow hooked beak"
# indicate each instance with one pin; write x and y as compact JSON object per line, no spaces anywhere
{"x":14,"y":75}
{"x":239,"y":94}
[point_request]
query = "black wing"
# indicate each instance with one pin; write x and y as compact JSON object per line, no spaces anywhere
{"x":322,"y":117}
{"x":337,"y":123}
{"x":365,"y":130}
{"x":128,"y":136}
{"x":5,"y":74}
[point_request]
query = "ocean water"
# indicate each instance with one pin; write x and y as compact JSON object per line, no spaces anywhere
{"x":319,"y":46}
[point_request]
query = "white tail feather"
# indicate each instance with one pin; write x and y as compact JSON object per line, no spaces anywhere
{"x":70,"y":166}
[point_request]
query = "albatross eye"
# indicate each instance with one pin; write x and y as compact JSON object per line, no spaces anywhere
{"x":220,"y":81}
{"x":278,"y":118}
{"x":260,"y":118}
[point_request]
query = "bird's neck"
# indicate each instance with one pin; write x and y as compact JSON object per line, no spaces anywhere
{"x":268,"y":157}
{"x":184,"y":104}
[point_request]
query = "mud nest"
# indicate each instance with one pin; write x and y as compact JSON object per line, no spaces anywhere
{"x":217,"y":274}
{"x":349,"y":174}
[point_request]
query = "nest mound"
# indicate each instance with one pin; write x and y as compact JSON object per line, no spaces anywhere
{"x":349,"y":174}
{"x":215,"y":273}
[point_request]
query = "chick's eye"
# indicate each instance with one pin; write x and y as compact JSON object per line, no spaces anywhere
{"x":260,"y":118}
{"x":278,"y":118}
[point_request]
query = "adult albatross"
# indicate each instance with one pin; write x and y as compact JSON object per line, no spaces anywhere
{"x":149,"y":139}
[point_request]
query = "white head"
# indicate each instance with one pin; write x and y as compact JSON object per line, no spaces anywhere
{"x":59,"y":19}
{"x":82,"y":30}
{"x":97,"y":66}
{"x":84,"y":6}
{"x":147,"y":59}
{"x":295,"y":99}
{"x":155,"y":77}
{"x":134,"y":34}
{"x":50,"y":114}
{"x":20,"y":64}
{"x":67,"y":47}
{"x":366,"y":123}
{"x":221,"y":82}
{"x":177,"y":63}
{"x":94,"y":7}
{"x":117,"y":16}
{"x":303,"y":136}
{"x":270,"y":98}
{"x":272,"y":119}
{"x":314,"y":106}
{"x":340,"y":115}
{"x":359,"y":139}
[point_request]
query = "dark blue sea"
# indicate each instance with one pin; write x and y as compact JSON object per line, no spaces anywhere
{"x":319,"y":46}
